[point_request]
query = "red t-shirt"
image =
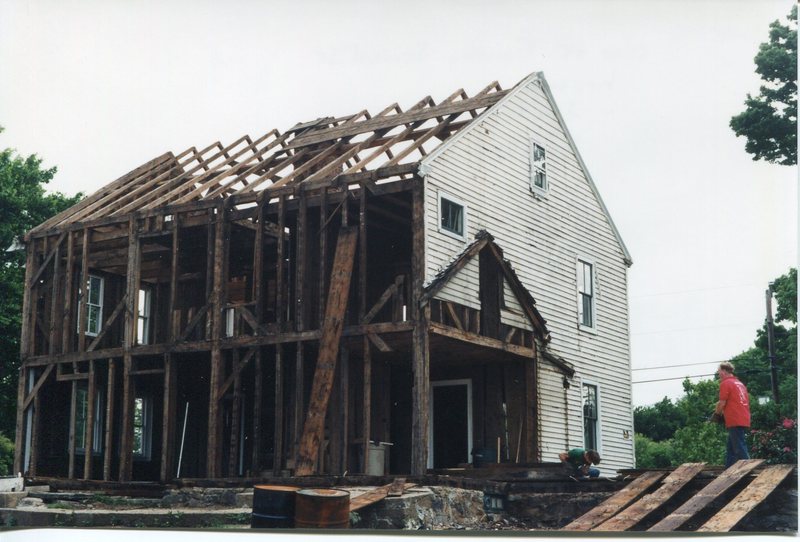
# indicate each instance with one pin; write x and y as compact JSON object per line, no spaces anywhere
{"x":737,"y":406}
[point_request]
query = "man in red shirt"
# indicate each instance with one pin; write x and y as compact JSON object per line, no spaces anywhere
{"x":734,"y":404}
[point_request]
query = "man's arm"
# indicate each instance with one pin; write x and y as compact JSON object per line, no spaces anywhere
{"x":564,"y":457}
{"x":720,"y":408}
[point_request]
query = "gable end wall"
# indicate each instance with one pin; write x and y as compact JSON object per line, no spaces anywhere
{"x":488,"y":170}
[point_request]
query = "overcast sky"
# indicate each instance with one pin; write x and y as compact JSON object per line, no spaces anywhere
{"x":647,"y":89}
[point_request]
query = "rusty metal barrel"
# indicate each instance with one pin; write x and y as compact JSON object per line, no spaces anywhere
{"x":322,"y":509}
{"x":273,"y":506}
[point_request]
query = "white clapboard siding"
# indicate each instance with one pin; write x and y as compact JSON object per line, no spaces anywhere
{"x":488,"y":169}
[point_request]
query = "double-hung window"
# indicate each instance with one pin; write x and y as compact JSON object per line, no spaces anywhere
{"x":452,"y":216}
{"x":586,"y":295}
{"x":591,"y":430}
{"x":81,"y":419}
{"x":538,"y":168}
{"x":143,"y":322}
{"x":94,"y":305}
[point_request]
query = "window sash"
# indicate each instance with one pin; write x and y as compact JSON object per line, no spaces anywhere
{"x":539,"y":166}
{"x":590,"y":416}
{"x":143,"y":317}
{"x":142,"y":426}
{"x":81,"y":417}
{"x":586,"y":294}
{"x":94,"y":305}
{"x":452,"y":216}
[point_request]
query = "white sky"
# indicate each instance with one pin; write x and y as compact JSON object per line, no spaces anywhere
{"x":647,"y":89}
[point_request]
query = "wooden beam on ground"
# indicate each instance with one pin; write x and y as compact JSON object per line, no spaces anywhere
{"x":705,"y":496}
{"x":653,"y":501}
{"x":744,"y":503}
{"x":328,"y":351}
{"x":615,"y":503}
{"x":377,"y":495}
{"x":397,"y":487}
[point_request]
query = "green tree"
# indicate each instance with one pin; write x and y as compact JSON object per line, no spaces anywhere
{"x":769,"y":121}
{"x":658,"y":422}
{"x":651,"y":454}
{"x":23,"y":205}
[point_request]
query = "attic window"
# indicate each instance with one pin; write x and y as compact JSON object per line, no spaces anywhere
{"x":452,"y":216}
{"x":538,"y":168}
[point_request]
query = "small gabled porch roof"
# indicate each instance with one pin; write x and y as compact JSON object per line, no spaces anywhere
{"x":485,"y":240}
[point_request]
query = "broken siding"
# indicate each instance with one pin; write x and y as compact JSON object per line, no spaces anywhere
{"x":543,"y":237}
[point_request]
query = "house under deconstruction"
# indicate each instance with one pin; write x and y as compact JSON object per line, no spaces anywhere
{"x":277,"y":303}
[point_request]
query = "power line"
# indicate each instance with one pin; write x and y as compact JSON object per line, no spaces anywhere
{"x":698,"y":376}
{"x":696,"y":363}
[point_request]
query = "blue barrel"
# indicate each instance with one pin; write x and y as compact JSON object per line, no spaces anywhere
{"x":273,"y":507}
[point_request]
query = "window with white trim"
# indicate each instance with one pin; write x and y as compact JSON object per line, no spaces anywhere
{"x":142,"y":426}
{"x":538,"y":168}
{"x":143,"y":318}
{"x":591,"y":429}
{"x":81,"y":418}
{"x":452,"y":216}
{"x":94,"y":305}
{"x":586,"y":309}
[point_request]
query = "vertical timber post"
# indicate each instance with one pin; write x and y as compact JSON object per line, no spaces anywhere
{"x":214,"y":426}
{"x":420,"y":352}
{"x":88,"y":436}
{"x":19,"y":440}
{"x":128,"y":392}
{"x":109,"y":430}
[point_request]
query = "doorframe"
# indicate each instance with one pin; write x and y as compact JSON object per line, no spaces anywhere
{"x":443,"y":383}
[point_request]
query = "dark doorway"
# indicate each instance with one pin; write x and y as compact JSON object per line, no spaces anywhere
{"x":452,"y":422}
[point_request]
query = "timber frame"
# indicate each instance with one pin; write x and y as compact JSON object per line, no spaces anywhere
{"x":262,"y":294}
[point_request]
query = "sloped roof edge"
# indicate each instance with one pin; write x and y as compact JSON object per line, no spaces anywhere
{"x":483,"y":239}
{"x":425,"y":164}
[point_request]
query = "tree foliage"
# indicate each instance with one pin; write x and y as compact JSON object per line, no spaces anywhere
{"x":769,"y":121}
{"x":23,"y":205}
{"x":678,"y":431}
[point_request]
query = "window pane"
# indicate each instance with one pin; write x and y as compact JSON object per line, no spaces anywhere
{"x":539,"y":178}
{"x":586,"y":310}
{"x":452,"y":217}
{"x":94,"y":290}
{"x":93,"y":320}
{"x":538,"y":155}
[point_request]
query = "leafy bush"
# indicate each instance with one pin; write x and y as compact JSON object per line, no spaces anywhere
{"x":652,"y":454}
{"x":700,"y":442}
{"x":6,"y":455}
{"x":778,"y":445}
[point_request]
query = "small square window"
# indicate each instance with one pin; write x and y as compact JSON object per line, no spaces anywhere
{"x":538,"y":168}
{"x":451,"y":216}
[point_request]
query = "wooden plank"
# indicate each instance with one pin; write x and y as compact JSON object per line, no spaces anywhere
{"x":109,"y":429}
{"x":88,"y":437}
{"x":389,"y":292}
{"x":480,"y":340}
{"x":67,"y":321}
{"x":420,"y":361}
{"x":35,"y":390}
{"x":744,"y":503}
{"x":277,"y":462}
{"x":377,"y":494}
{"x":214,"y":416}
{"x":706,"y":495}
{"x":615,"y":503}
{"x":168,"y":424}
{"x":379,"y":343}
{"x":328,"y":351}
{"x":319,"y":136}
{"x":653,"y":501}
{"x":174,"y":273}
{"x":366,"y":410}
{"x":72,"y":418}
{"x":279,"y":315}
{"x":55,"y":299}
{"x":233,"y":450}
{"x":129,"y":338}
{"x":397,"y":487}
{"x":255,"y":462}
{"x":52,"y":254}
{"x":84,"y":295}
{"x":108,"y":323}
{"x":21,"y":430}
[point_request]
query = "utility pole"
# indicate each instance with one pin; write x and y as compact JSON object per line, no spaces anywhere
{"x":771,"y":346}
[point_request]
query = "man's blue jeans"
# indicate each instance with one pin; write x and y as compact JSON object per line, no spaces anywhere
{"x":737,"y":447}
